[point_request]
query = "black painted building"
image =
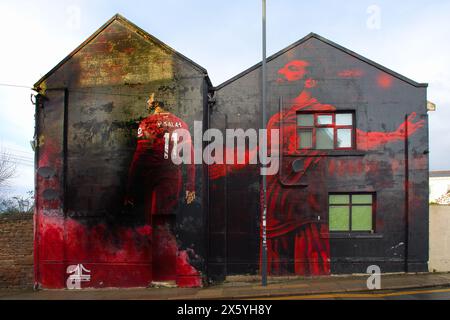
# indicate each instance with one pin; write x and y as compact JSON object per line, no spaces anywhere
{"x":351,"y":190}
{"x":353,"y":185}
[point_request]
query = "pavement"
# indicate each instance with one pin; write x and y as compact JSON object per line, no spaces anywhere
{"x":249,"y":288}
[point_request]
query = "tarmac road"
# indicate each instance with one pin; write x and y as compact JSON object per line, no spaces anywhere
{"x":424,"y":294}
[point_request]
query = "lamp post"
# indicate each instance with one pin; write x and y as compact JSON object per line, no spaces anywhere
{"x":264,"y":123}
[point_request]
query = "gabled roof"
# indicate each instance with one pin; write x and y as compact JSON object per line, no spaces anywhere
{"x":331,"y":43}
{"x":440,"y":174}
{"x":135,"y":28}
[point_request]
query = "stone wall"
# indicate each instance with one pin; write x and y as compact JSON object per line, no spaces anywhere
{"x":16,"y":251}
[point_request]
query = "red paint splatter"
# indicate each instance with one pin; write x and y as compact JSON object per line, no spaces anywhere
{"x":187,"y":275}
{"x":372,"y":140}
{"x":164,"y":250}
{"x":304,"y":101}
{"x":116,"y":259}
{"x":310,"y":83}
{"x":145,"y":230}
{"x":351,"y":73}
{"x":384,"y":80}
{"x":312,"y":202}
{"x":119,"y":257}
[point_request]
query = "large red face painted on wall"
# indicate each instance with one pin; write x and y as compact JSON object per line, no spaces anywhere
{"x":296,"y":71}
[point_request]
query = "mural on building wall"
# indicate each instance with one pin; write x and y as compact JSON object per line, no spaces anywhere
{"x":154,"y":180}
{"x":155,"y":183}
{"x":108,"y":196}
{"x":110,"y":200}
{"x":293,"y":234}
{"x":153,"y":191}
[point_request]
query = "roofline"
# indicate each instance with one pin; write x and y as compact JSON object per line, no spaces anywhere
{"x":145,"y":34}
{"x":439,"y":174}
{"x":333,"y":44}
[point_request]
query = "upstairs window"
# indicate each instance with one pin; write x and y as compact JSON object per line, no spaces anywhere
{"x":326,"y":131}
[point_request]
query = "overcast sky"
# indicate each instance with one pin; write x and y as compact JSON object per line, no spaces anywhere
{"x":410,"y":37}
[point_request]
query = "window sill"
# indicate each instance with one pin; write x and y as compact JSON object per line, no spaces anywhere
{"x":339,"y":235}
{"x":329,"y":153}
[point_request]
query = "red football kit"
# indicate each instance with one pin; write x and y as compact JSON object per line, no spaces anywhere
{"x":153,"y":178}
{"x":155,"y":184}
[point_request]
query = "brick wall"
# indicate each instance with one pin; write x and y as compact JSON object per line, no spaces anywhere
{"x":16,"y":250}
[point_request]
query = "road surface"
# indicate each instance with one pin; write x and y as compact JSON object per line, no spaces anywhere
{"x":424,"y":294}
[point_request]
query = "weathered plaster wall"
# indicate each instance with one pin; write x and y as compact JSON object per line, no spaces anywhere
{"x":439,"y":238}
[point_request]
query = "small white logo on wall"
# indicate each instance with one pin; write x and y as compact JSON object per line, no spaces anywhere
{"x":77,"y":275}
{"x":374,"y":280}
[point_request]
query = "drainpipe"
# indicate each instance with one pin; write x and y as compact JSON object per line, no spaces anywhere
{"x":65,"y":166}
{"x":65,"y":148}
{"x":226,"y":205}
{"x":37,"y":104}
{"x":406,"y":194}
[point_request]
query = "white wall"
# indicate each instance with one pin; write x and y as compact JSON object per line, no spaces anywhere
{"x":439,"y":239}
{"x":438,"y":187}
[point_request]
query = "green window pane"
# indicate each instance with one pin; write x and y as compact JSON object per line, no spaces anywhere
{"x":305,"y":139}
{"x":325,"y":138}
{"x":305,"y":120}
{"x":340,"y":199}
{"x":344,"y":138}
{"x":362,"y":218}
{"x":362,"y":199}
{"x":339,"y":218}
{"x":344,"y":119}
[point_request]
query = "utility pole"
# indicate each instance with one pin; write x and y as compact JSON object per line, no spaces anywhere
{"x":264,"y":123}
